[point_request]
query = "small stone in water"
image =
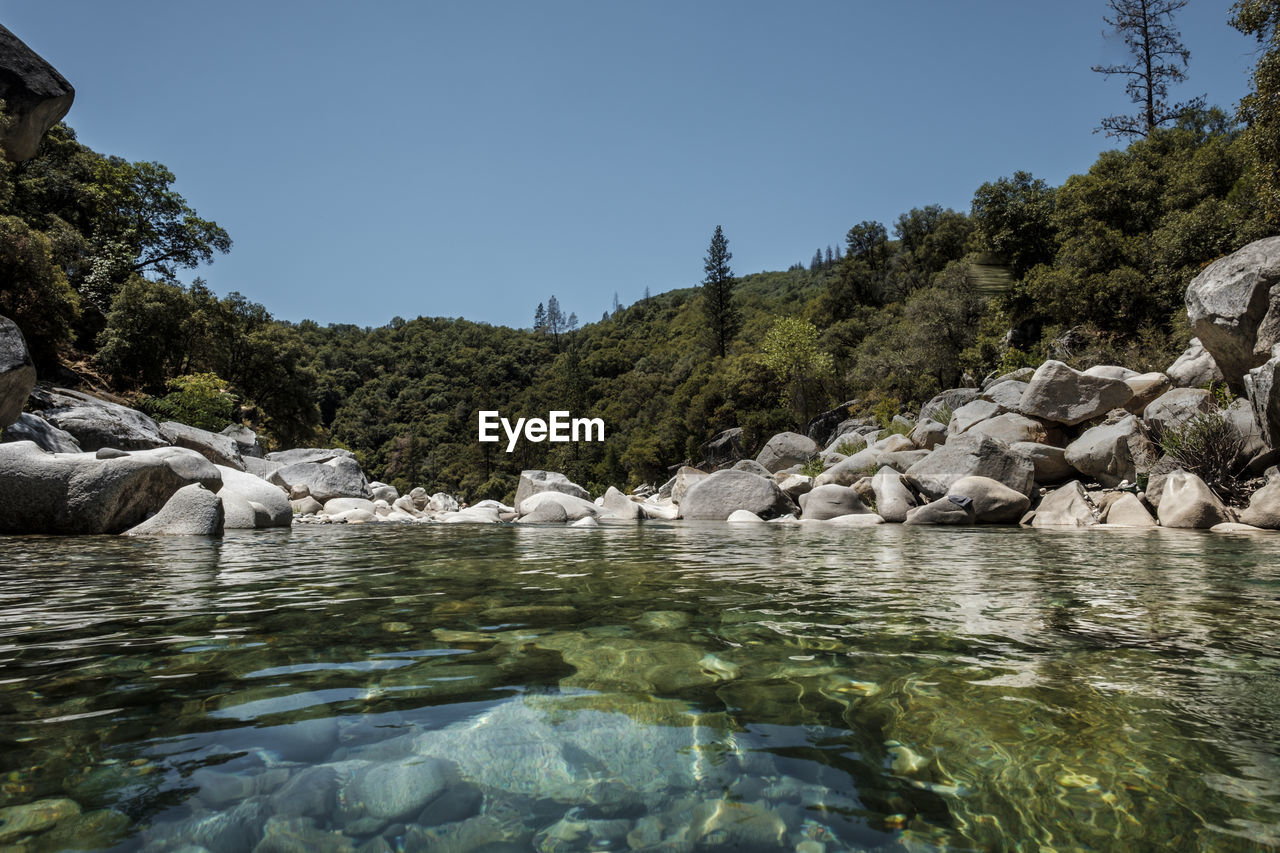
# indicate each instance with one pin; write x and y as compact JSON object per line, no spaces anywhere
{"x":397,"y":627}
{"x":1071,"y":779}
{"x":720,"y":669}
{"x":811,"y":846}
{"x":17,"y":821}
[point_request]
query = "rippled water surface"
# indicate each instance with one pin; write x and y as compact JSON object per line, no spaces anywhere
{"x":664,"y":687}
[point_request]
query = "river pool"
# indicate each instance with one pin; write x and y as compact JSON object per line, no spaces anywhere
{"x":653,"y":687}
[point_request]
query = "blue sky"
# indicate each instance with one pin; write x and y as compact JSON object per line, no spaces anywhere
{"x":472,"y":158}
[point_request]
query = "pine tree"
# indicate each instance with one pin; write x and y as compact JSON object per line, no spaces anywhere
{"x":1159,"y":58}
{"x":717,"y":290}
{"x":540,"y":319}
{"x":555,"y":319}
{"x":830,"y":257}
{"x":816,"y":263}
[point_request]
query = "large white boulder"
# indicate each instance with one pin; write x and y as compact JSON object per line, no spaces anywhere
{"x":338,"y":477}
{"x":1113,"y":452}
{"x":786,"y":449}
{"x":966,"y":455}
{"x":830,"y":502}
{"x":29,"y":427}
{"x":1187,"y":501}
{"x":1234,"y":308}
{"x":534,"y":481}
{"x":92,"y":493}
{"x":993,"y":501}
{"x":217,"y":448}
{"x":249,"y":501}
{"x":1059,"y":393}
{"x":1195,"y":368}
{"x":192,"y":511}
{"x":894,"y":499}
{"x":574,"y":507}
{"x":1067,"y":506}
{"x":717,"y":496}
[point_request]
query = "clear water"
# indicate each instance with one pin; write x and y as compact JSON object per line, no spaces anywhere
{"x":656,"y":687}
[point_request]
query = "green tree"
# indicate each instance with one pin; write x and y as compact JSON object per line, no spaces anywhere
{"x":791,"y":353}
{"x":1260,"y":109}
{"x":1013,"y":219}
{"x":1159,"y":58}
{"x":723,"y":317}
{"x":33,"y":290}
{"x":146,"y":339}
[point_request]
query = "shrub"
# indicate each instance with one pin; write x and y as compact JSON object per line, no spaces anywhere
{"x":847,"y":448}
{"x":813,"y":467}
{"x":197,"y":399}
{"x":1208,"y":446}
{"x":942,"y":414}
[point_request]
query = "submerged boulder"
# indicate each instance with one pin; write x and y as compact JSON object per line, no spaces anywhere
{"x":715,"y":497}
{"x":44,"y":492}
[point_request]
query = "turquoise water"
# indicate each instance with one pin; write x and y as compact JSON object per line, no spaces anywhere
{"x":653,"y":687}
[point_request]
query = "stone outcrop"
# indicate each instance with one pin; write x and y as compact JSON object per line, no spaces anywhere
{"x":1067,"y":506}
{"x":1195,"y":368}
{"x":534,"y":481}
{"x":340,"y":477}
{"x":893,"y":497}
{"x":968,"y":455}
{"x":992,"y":502}
{"x":97,"y":423}
{"x":90,"y":493}
{"x":17,"y":372}
{"x":1187,"y":501}
{"x":1048,"y":463}
{"x":831,"y":501}
{"x":1146,"y":387}
{"x":617,"y":505}
{"x":1235,"y":310}
{"x":1174,"y":408}
{"x":28,"y":427}
{"x":218,"y":449}
{"x":1064,"y":395}
{"x":249,"y":501}
{"x":971,"y":414}
{"x":36,"y":97}
{"x":1113,"y":452}
{"x":1012,"y":427}
{"x":786,"y":449}
{"x":724,"y":448}
{"x":192,"y":511}
{"x":714,"y":498}
{"x":947,"y":401}
{"x":1262,"y":387}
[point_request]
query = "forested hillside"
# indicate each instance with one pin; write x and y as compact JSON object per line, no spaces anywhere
{"x":92,"y":250}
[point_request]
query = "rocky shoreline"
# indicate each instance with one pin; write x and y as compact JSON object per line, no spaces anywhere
{"x":1049,"y":447}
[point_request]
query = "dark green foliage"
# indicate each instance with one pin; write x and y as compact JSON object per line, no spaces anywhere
{"x":1209,"y":447}
{"x":1013,"y":219}
{"x":33,"y":290}
{"x":1260,"y":109}
{"x":723,"y":316}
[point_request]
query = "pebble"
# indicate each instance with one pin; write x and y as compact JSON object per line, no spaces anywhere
{"x":28,"y":819}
